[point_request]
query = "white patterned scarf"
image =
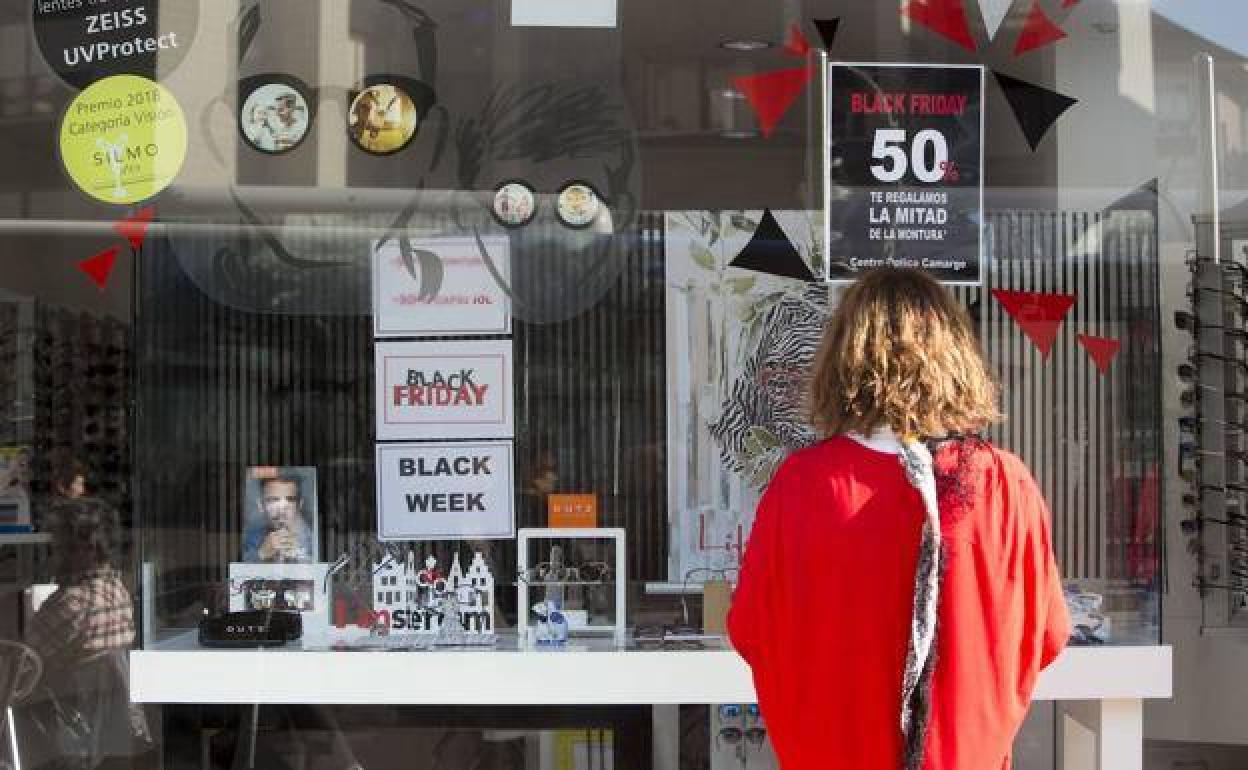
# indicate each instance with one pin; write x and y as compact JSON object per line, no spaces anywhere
{"x":916,"y":460}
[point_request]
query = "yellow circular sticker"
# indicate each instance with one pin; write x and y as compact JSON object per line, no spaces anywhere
{"x":123,"y":139}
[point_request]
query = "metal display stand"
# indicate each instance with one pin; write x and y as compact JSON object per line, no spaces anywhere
{"x":1213,"y":447}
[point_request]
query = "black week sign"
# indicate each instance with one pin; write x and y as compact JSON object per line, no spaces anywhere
{"x":445,"y":491}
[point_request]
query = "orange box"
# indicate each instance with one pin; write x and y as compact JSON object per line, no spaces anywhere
{"x":577,"y":511}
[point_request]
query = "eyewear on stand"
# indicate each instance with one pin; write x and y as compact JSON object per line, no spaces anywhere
{"x":1190,"y":396}
{"x":556,"y":571}
{"x":1192,"y":526}
{"x":1194,"y":262}
{"x":1198,"y":425}
{"x":1193,"y":501}
{"x":1235,"y":292}
{"x":731,"y":736}
{"x":1192,"y":457}
{"x":1189,"y":450}
{"x":1237,"y":489}
{"x":1190,"y":323}
{"x":655,"y":637}
{"x":1195,"y":356}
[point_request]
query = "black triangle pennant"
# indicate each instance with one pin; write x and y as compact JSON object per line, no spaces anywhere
{"x":1035,"y":107}
{"x":1142,"y":198}
{"x":827,"y":30}
{"x":770,"y":251}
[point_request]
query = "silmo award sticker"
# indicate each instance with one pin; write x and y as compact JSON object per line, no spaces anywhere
{"x":123,"y":139}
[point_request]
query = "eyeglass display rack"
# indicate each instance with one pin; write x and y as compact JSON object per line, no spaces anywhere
{"x":1213,"y":447}
{"x":575,"y":560}
{"x":81,"y":391}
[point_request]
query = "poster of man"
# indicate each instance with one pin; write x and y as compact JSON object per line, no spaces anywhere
{"x":280,"y":516}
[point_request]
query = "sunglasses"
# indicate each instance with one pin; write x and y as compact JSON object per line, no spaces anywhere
{"x":1197,"y":524}
{"x":1237,"y":489}
{"x":577,"y":204}
{"x":1193,"y":261}
{"x":1191,"y":397}
{"x":1188,"y":322}
{"x":382,"y":116}
{"x":1193,"y":502}
{"x":1232,"y":296}
{"x":732,"y":736}
{"x":1197,"y":425}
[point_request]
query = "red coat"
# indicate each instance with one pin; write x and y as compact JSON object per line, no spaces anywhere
{"x":822,"y":610}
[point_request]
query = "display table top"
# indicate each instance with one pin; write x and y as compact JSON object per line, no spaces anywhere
{"x":596,"y":672}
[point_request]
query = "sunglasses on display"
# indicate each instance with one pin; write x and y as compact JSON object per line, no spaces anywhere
{"x":1190,"y":323}
{"x":1191,"y":459}
{"x":732,"y":736}
{"x":577,"y":204}
{"x":674,"y":638}
{"x":1238,"y":489}
{"x":1192,"y":502}
{"x":1196,"y":355}
{"x":1192,"y":526}
{"x":1197,"y":425}
{"x":1236,"y":293}
{"x":1188,"y":449}
{"x":382,"y":116}
{"x":1194,"y":262}
{"x":1190,"y":397}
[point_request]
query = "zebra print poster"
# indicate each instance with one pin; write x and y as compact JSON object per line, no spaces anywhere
{"x":740,"y":345}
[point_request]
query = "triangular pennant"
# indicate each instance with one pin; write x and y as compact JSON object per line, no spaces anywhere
{"x":1142,"y":198}
{"x":771,"y":94}
{"x":1101,"y":349}
{"x":770,"y":251}
{"x":946,"y":18}
{"x":1069,"y":3}
{"x":797,"y":44}
{"x":994,"y":12}
{"x":134,"y":228}
{"x":827,"y":30}
{"x":1035,"y":108}
{"x":1039,"y":315}
{"x":99,"y":268}
{"x":1038,"y":31}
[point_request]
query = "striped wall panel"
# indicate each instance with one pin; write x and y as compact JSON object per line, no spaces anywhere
{"x":221,"y":389}
{"x":1093,"y":442}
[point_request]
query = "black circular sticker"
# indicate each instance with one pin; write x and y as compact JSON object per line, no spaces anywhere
{"x":87,"y":40}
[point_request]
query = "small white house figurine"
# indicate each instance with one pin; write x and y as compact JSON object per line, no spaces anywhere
{"x":415,"y":600}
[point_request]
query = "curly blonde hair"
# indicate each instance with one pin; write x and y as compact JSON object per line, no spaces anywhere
{"x":898,"y":351}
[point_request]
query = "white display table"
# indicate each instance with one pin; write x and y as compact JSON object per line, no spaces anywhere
{"x":1106,"y":685}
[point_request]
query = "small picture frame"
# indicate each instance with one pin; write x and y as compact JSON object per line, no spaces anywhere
{"x":280,"y":518}
{"x":301,"y":588}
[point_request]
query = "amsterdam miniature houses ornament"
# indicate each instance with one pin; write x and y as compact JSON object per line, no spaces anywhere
{"x":456,"y":608}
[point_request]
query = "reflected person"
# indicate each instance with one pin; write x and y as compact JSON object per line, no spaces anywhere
{"x":83,"y":632}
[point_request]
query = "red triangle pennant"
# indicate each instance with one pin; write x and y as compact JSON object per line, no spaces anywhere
{"x":771,"y":94}
{"x":797,"y":44}
{"x":1038,"y":31}
{"x":1101,"y":349}
{"x":1069,"y":3}
{"x":946,"y":18}
{"x":1039,"y":315}
{"x":99,"y":268}
{"x":134,"y":228}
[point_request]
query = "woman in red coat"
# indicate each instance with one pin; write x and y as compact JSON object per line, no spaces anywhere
{"x":898,"y":595}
